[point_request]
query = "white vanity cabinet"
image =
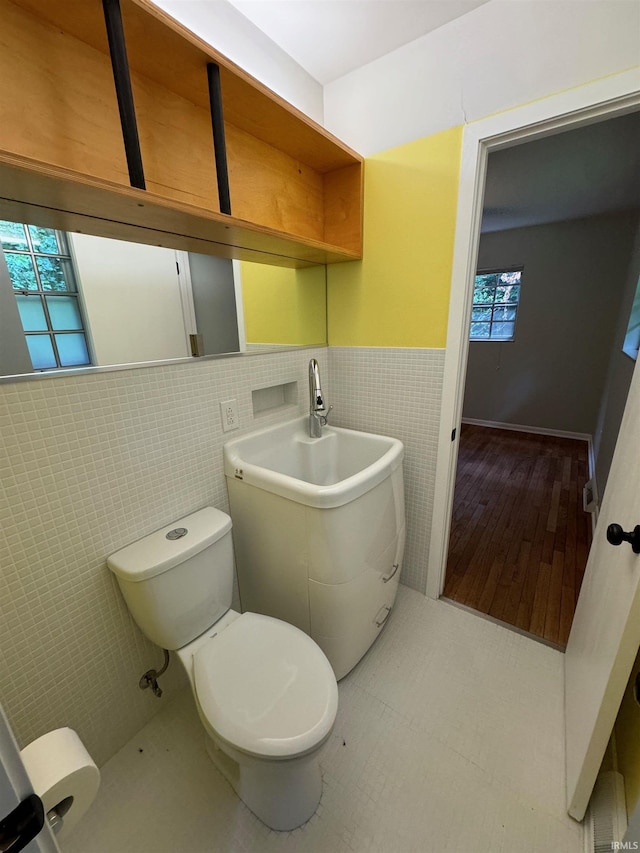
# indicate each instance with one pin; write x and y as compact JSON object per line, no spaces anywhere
{"x":331,"y":571}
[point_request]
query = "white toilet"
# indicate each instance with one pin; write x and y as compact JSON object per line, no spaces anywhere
{"x":266,"y":694}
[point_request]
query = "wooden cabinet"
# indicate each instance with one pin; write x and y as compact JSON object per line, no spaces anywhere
{"x":296,"y":191}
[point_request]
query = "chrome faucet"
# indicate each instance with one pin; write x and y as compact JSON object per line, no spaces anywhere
{"x":318,"y":412}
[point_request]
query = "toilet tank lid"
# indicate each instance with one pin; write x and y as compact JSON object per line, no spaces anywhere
{"x":158,"y":552}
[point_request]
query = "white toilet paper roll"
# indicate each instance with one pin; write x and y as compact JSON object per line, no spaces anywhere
{"x":63,"y":774}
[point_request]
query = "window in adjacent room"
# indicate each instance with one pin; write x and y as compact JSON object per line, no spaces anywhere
{"x":496,"y":294}
{"x":631,"y":343}
{"x":43,"y":280}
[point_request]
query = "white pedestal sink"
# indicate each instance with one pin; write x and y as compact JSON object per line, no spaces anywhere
{"x":318,"y":527}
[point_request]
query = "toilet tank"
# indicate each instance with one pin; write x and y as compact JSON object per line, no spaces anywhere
{"x":178,"y":581}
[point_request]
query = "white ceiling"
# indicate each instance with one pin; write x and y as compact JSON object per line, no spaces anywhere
{"x":585,"y":172}
{"x":330,"y":38}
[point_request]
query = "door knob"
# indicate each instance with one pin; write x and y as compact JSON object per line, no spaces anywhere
{"x":616,"y":536}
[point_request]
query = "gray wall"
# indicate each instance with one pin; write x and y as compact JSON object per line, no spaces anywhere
{"x":553,"y":375}
{"x":214,"y":301}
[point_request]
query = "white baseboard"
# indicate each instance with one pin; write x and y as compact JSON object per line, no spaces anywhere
{"x":558,"y":433}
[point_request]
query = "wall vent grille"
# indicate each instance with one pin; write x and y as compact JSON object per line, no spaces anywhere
{"x":607,"y":820}
{"x":590,"y":496}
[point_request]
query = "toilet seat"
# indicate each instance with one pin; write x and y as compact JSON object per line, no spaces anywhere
{"x":266,"y":688}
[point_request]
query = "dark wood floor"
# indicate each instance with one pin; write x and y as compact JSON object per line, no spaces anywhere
{"x":519,"y":535}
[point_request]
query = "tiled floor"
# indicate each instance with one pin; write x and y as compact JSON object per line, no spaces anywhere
{"x":449,"y":737}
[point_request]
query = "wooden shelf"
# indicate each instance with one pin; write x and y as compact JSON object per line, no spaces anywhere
{"x":296,"y":191}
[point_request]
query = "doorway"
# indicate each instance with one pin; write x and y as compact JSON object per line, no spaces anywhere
{"x":540,"y":370}
{"x":568,"y":111}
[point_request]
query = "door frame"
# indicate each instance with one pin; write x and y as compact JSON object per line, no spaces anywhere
{"x":607,"y":98}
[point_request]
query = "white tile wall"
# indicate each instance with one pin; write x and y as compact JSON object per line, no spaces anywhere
{"x":91,"y":463}
{"x":396,"y":392}
{"x":88,"y":464}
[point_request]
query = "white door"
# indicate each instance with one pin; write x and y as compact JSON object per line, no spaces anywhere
{"x":605,"y":634}
{"x":15,"y":786}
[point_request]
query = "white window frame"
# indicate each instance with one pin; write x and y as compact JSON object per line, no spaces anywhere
{"x":494,"y":304}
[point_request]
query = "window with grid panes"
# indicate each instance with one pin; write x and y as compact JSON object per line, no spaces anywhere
{"x":496,"y":296}
{"x":43,"y":279}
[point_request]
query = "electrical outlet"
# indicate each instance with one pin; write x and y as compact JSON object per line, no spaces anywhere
{"x":229,"y":413}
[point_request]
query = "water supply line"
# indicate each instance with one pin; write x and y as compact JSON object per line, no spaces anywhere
{"x":151,"y":676}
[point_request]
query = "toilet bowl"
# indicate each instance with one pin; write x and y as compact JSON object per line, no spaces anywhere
{"x":267,"y":698}
{"x":266,"y":694}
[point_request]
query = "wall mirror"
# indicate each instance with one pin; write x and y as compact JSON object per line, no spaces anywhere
{"x":77,"y":301}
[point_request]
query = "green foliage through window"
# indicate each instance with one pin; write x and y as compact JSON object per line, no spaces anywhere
{"x":495,"y":304}
{"x":43,"y":279}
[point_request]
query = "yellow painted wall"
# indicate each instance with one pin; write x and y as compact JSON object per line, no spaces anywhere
{"x":627,"y":741}
{"x":284,"y":306}
{"x":398,"y":295}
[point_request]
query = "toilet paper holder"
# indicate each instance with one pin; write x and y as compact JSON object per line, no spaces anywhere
{"x":63,"y":775}
{"x":55,"y":815}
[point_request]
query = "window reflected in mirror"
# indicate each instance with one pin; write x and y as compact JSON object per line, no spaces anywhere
{"x":43,"y":280}
{"x":73,"y":300}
